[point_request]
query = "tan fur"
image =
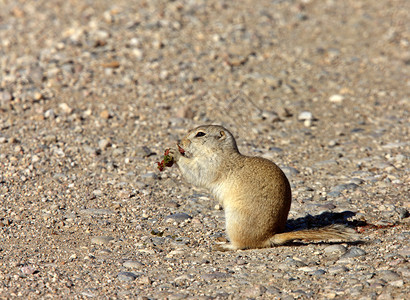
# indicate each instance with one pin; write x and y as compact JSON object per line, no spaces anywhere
{"x":254,"y":192}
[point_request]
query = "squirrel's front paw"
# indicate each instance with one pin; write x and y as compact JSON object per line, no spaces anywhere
{"x":174,"y":153}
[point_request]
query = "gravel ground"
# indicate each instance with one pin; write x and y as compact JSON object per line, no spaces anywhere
{"x":91,"y":93}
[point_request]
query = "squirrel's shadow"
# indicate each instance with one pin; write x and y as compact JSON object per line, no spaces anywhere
{"x":322,"y":220}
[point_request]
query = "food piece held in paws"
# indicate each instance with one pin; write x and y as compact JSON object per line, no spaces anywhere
{"x":168,"y":161}
{"x":160,"y":166}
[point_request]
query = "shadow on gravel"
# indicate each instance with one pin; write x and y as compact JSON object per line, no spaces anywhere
{"x":324,"y":219}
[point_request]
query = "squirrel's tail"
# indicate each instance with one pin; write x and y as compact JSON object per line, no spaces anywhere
{"x":331,"y":232}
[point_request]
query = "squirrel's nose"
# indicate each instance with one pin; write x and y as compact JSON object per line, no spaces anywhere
{"x":184,"y":142}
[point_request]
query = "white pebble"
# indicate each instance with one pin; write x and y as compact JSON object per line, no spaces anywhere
{"x":35,"y":159}
{"x":65,"y":108}
{"x":397,"y":283}
{"x":100,"y":240}
{"x":305,"y":115}
{"x":307,"y":123}
{"x":336,"y":98}
{"x":49,"y":114}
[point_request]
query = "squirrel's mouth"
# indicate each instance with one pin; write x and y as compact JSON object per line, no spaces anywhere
{"x":181,"y":150}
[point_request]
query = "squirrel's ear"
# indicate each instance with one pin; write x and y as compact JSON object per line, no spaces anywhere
{"x":222,"y":135}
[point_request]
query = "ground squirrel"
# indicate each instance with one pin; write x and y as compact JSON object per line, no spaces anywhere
{"x":253,"y":191}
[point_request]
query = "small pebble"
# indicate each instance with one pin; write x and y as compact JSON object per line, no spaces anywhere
{"x":397,"y":283}
{"x":126,"y":276}
{"x":143,"y":151}
{"x":405,"y":251}
{"x":145,"y":280}
{"x":178,"y":217}
{"x":275,"y":149}
{"x":294,"y":263}
{"x":65,"y":108}
{"x":389,"y":275}
{"x":105,"y":252}
{"x":149,"y":176}
{"x":353,"y":252}
{"x":335,"y":249}
{"x":133,"y":264}
{"x":49,"y":114}
{"x":336,"y":98}
{"x":28,"y":270}
{"x":325,"y":163}
{"x":118,"y":152}
{"x":255,"y":291}
{"x":332,"y":143}
{"x":100,"y":240}
{"x":337,"y":190}
{"x":35,"y":159}
{"x":88,"y":294}
{"x":72,"y":257}
{"x":96,"y":211}
{"x":319,"y":272}
{"x":38,"y":96}
{"x":218,"y":207}
{"x":176,"y":252}
{"x":270,"y":116}
{"x":105,"y":114}
{"x":308,"y":269}
{"x":305,"y":115}
{"x":337,"y":270}
{"x":104,"y":144}
{"x":215,"y":275}
{"x":5,"y":98}
{"x":307,"y":123}
{"x":98,"y":193}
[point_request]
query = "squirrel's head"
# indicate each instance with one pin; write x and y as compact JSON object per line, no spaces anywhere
{"x":208,"y":139}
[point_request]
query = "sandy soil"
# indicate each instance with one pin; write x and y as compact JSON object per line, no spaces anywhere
{"x":91,"y":93}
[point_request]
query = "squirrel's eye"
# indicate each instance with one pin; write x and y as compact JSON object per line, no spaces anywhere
{"x":200,"y":133}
